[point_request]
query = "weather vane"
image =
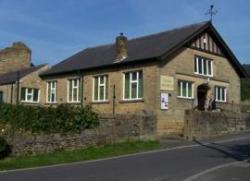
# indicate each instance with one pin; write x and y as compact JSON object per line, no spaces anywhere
{"x":211,"y":12}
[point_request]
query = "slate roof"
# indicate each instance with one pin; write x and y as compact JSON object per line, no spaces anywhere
{"x":138,"y":49}
{"x":11,"y":77}
{"x":153,"y":46}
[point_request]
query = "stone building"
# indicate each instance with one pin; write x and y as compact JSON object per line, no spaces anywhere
{"x":19,"y":78}
{"x":164,"y":73}
{"x":16,"y":57}
{"x":22,"y":86}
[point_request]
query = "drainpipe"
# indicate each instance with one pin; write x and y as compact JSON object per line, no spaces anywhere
{"x":17,"y":87}
{"x":113,"y":100}
{"x":11,"y":94}
{"x":81,"y":87}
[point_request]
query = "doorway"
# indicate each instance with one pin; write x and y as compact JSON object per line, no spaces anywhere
{"x":202,"y":91}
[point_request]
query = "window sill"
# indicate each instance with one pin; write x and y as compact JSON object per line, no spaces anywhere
{"x":73,"y":102}
{"x":100,"y":102}
{"x":203,"y":75}
{"x":131,"y":101}
{"x":221,"y":102}
{"x":186,"y":98}
{"x":27,"y":102}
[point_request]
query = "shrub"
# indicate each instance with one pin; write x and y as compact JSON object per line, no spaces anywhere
{"x":85,"y":118}
{"x":4,"y":148}
{"x":245,"y":89}
{"x":63,"y":118}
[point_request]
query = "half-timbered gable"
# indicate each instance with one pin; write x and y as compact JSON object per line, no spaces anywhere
{"x":205,"y":42}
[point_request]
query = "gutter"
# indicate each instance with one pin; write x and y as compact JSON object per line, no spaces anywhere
{"x":138,"y":61}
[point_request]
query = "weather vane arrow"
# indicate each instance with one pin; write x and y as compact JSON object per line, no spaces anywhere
{"x":211,"y":12}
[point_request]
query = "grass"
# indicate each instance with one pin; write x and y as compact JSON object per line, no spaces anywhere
{"x":78,"y":155}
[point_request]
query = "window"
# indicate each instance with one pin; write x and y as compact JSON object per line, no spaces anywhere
{"x":29,"y":95}
{"x":100,"y":88}
{"x":203,"y":66}
{"x":51,"y":92}
{"x":220,"y":94}
{"x":185,"y":89}
{"x":73,"y":90}
{"x":132,"y":85}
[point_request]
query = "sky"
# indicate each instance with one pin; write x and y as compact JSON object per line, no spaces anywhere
{"x":57,"y":29}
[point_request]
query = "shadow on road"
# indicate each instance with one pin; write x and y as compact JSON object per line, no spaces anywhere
{"x":237,"y":152}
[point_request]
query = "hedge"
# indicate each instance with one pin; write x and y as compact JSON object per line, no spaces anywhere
{"x":63,"y":118}
{"x":245,"y":89}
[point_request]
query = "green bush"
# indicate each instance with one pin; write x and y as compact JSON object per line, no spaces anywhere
{"x":245,"y":89}
{"x":4,"y":148}
{"x":63,"y":118}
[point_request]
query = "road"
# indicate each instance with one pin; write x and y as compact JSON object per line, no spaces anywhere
{"x":223,"y":159}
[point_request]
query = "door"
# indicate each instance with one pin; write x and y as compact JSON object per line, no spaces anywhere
{"x":202,"y":91}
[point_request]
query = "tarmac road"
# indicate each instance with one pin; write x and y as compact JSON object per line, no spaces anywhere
{"x":223,"y":159}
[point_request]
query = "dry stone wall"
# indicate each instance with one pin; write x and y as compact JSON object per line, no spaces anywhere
{"x":200,"y":124}
{"x":112,"y":129}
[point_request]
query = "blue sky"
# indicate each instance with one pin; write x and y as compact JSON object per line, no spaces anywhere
{"x":56,"y":29}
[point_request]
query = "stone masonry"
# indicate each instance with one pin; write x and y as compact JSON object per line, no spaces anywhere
{"x":180,"y":67}
{"x":31,"y":80}
{"x":200,"y":125}
{"x":16,"y":57}
{"x":111,"y":130}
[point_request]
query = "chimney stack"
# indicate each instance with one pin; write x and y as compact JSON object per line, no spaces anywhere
{"x":121,"y":47}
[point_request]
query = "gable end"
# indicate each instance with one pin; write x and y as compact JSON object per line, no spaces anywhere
{"x":220,"y":47}
{"x":205,"y":42}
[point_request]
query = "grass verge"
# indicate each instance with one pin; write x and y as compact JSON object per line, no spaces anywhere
{"x":78,"y":155}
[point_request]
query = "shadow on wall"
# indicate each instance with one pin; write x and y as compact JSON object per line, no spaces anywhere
{"x":205,"y":124}
{"x":239,"y":152}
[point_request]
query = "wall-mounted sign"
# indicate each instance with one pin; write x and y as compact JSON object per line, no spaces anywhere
{"x":167,"y":83}
{"x":164,"y":101}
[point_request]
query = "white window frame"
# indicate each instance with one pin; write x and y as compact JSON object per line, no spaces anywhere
{"x":203,"y":62}
{"x":219,"y":90}
{"x":71,"y":81}
{"x":51,"y":90}
{"x":187,"y":90}
{"x":31,"y":94}
{"x":99,"y":85}
{"x":131,"y":81}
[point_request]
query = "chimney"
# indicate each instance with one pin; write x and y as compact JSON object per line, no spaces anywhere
{"x":121,"y":47}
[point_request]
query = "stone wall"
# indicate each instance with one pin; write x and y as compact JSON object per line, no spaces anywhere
{"x":246,"y":101}
{"x":208,"y":124}
{"x":242,"y":107}
{"x":16,"y":57}
{"x":112,"y":129}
